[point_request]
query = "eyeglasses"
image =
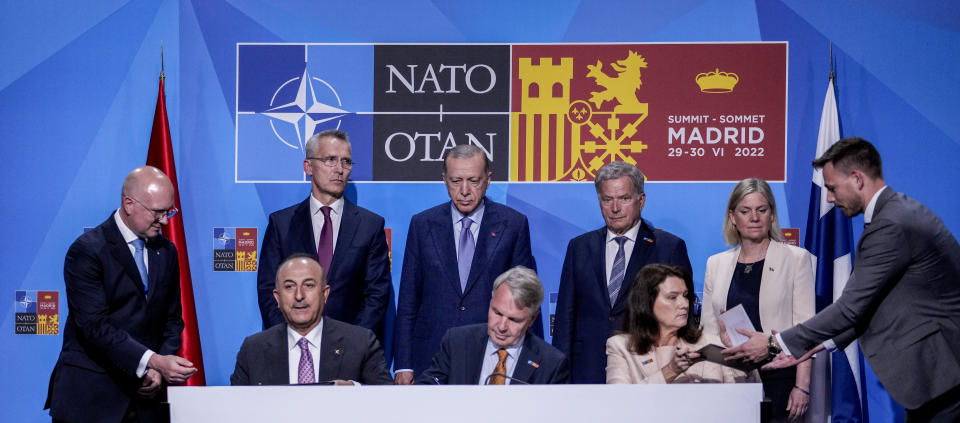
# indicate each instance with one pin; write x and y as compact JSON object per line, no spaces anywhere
{"x":158,"y":214}
{"x":331,"y":161}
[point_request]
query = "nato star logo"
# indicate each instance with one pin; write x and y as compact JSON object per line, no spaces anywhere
{"x":222,"y":239}
{"x":25,"y":304}
{"x":301,"y":109}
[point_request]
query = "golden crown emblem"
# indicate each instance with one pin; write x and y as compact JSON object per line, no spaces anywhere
{"x":717,"y":82}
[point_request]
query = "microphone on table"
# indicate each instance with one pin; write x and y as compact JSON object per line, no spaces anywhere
{"x":512,"y":379}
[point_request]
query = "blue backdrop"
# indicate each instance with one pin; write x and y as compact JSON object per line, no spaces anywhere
{"x":78,"y":86}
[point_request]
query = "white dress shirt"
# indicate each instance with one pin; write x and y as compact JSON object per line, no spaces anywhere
{"x":476,"y":217}
{"x":129,"y":237}
{"x":490,"y":360}
{"x":868,"y":212}
{"x":612,"y":247}
{"x":316,"y":217}
{"x":313,"y":344}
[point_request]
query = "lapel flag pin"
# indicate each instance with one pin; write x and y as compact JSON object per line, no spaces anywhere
{"x":647,"y":362}
{"x":534,"y":364}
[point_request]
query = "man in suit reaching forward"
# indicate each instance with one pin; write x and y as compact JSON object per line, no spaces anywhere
{"x":309,"y":348}
{"x":347,"y":240}
{"x":501,"y":351}
{"x":902,"y":301}
{"x":453,"y":253}
{"x":599,"y":269}
{"x":124,"y":323}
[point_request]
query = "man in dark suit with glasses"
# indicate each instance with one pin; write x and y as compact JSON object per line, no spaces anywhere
{"x":123,"y":327}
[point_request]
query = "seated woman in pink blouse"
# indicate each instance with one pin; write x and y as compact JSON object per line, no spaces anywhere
{"x":660,"y":338}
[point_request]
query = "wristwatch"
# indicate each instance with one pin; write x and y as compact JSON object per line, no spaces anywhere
{"x":773,"y":347}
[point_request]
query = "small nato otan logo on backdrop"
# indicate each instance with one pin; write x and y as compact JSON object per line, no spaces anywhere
{"x":37,"y":313}
{"x":234,"y":249}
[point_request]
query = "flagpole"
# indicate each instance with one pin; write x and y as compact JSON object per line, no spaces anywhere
{"x":162,"y":76}
{"x":831,"y":60}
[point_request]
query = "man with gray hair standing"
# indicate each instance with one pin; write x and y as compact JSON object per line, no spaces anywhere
{"x":500,"y":352}
{"x":348,"y":241}
{"x":453,"y":253}
{"x":599,"y":269}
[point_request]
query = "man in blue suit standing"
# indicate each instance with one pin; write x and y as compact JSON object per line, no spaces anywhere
{"x":599,"y":269}
{"x":500,"y":352}
{"x":123,"y":327}
{"x":348,"y":241}
{"x":453,"y":253}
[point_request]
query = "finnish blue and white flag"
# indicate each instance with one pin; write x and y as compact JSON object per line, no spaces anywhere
{"x":829,"y":238}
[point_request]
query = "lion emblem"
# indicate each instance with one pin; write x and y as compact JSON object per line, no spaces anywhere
{"x":622,"y":87}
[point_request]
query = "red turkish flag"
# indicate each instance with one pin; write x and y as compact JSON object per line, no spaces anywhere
{"x":160,"y":156}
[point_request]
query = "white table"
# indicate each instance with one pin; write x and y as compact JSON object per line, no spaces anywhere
{"x":466,"y":404}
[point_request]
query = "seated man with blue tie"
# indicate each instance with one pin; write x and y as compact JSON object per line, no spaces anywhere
{"x":502,"y":351}
{"x":309,"y":348}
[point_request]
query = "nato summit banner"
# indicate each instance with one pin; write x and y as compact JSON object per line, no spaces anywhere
{"x":699,"y":112}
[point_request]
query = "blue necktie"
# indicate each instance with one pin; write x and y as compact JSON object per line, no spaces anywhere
{"x":465,"y":255}
{"x":141,"y":266}
{"x":618,"y":271}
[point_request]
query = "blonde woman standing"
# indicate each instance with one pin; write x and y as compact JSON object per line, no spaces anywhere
{"x":772,"y":280}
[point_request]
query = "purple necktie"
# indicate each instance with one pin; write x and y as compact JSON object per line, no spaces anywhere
{"x":465,"y":255}
{"x":325,"y":245}
{"x":305,"y":374}
{"x":618,"y":271}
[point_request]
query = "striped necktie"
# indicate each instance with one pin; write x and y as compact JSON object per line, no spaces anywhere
{"x":618,"y":271}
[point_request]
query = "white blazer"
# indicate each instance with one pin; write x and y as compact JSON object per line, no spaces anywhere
{"x":786,"y":287}
{"x":625,"y":366}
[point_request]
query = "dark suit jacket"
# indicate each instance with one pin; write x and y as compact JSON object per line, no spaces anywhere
{"x":430,"y":301}
{"x":111,"y":324}
{"x":347,"y":352}
{"x":359,"y":274}
{"x":460,"y":360}
{"x":584,"y":318}
{"x":902,"y":302}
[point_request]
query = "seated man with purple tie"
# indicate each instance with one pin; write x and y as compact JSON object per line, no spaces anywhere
{"x":502,"y":351}
{"x":347,"y":240}
{"x":309,"y":348}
